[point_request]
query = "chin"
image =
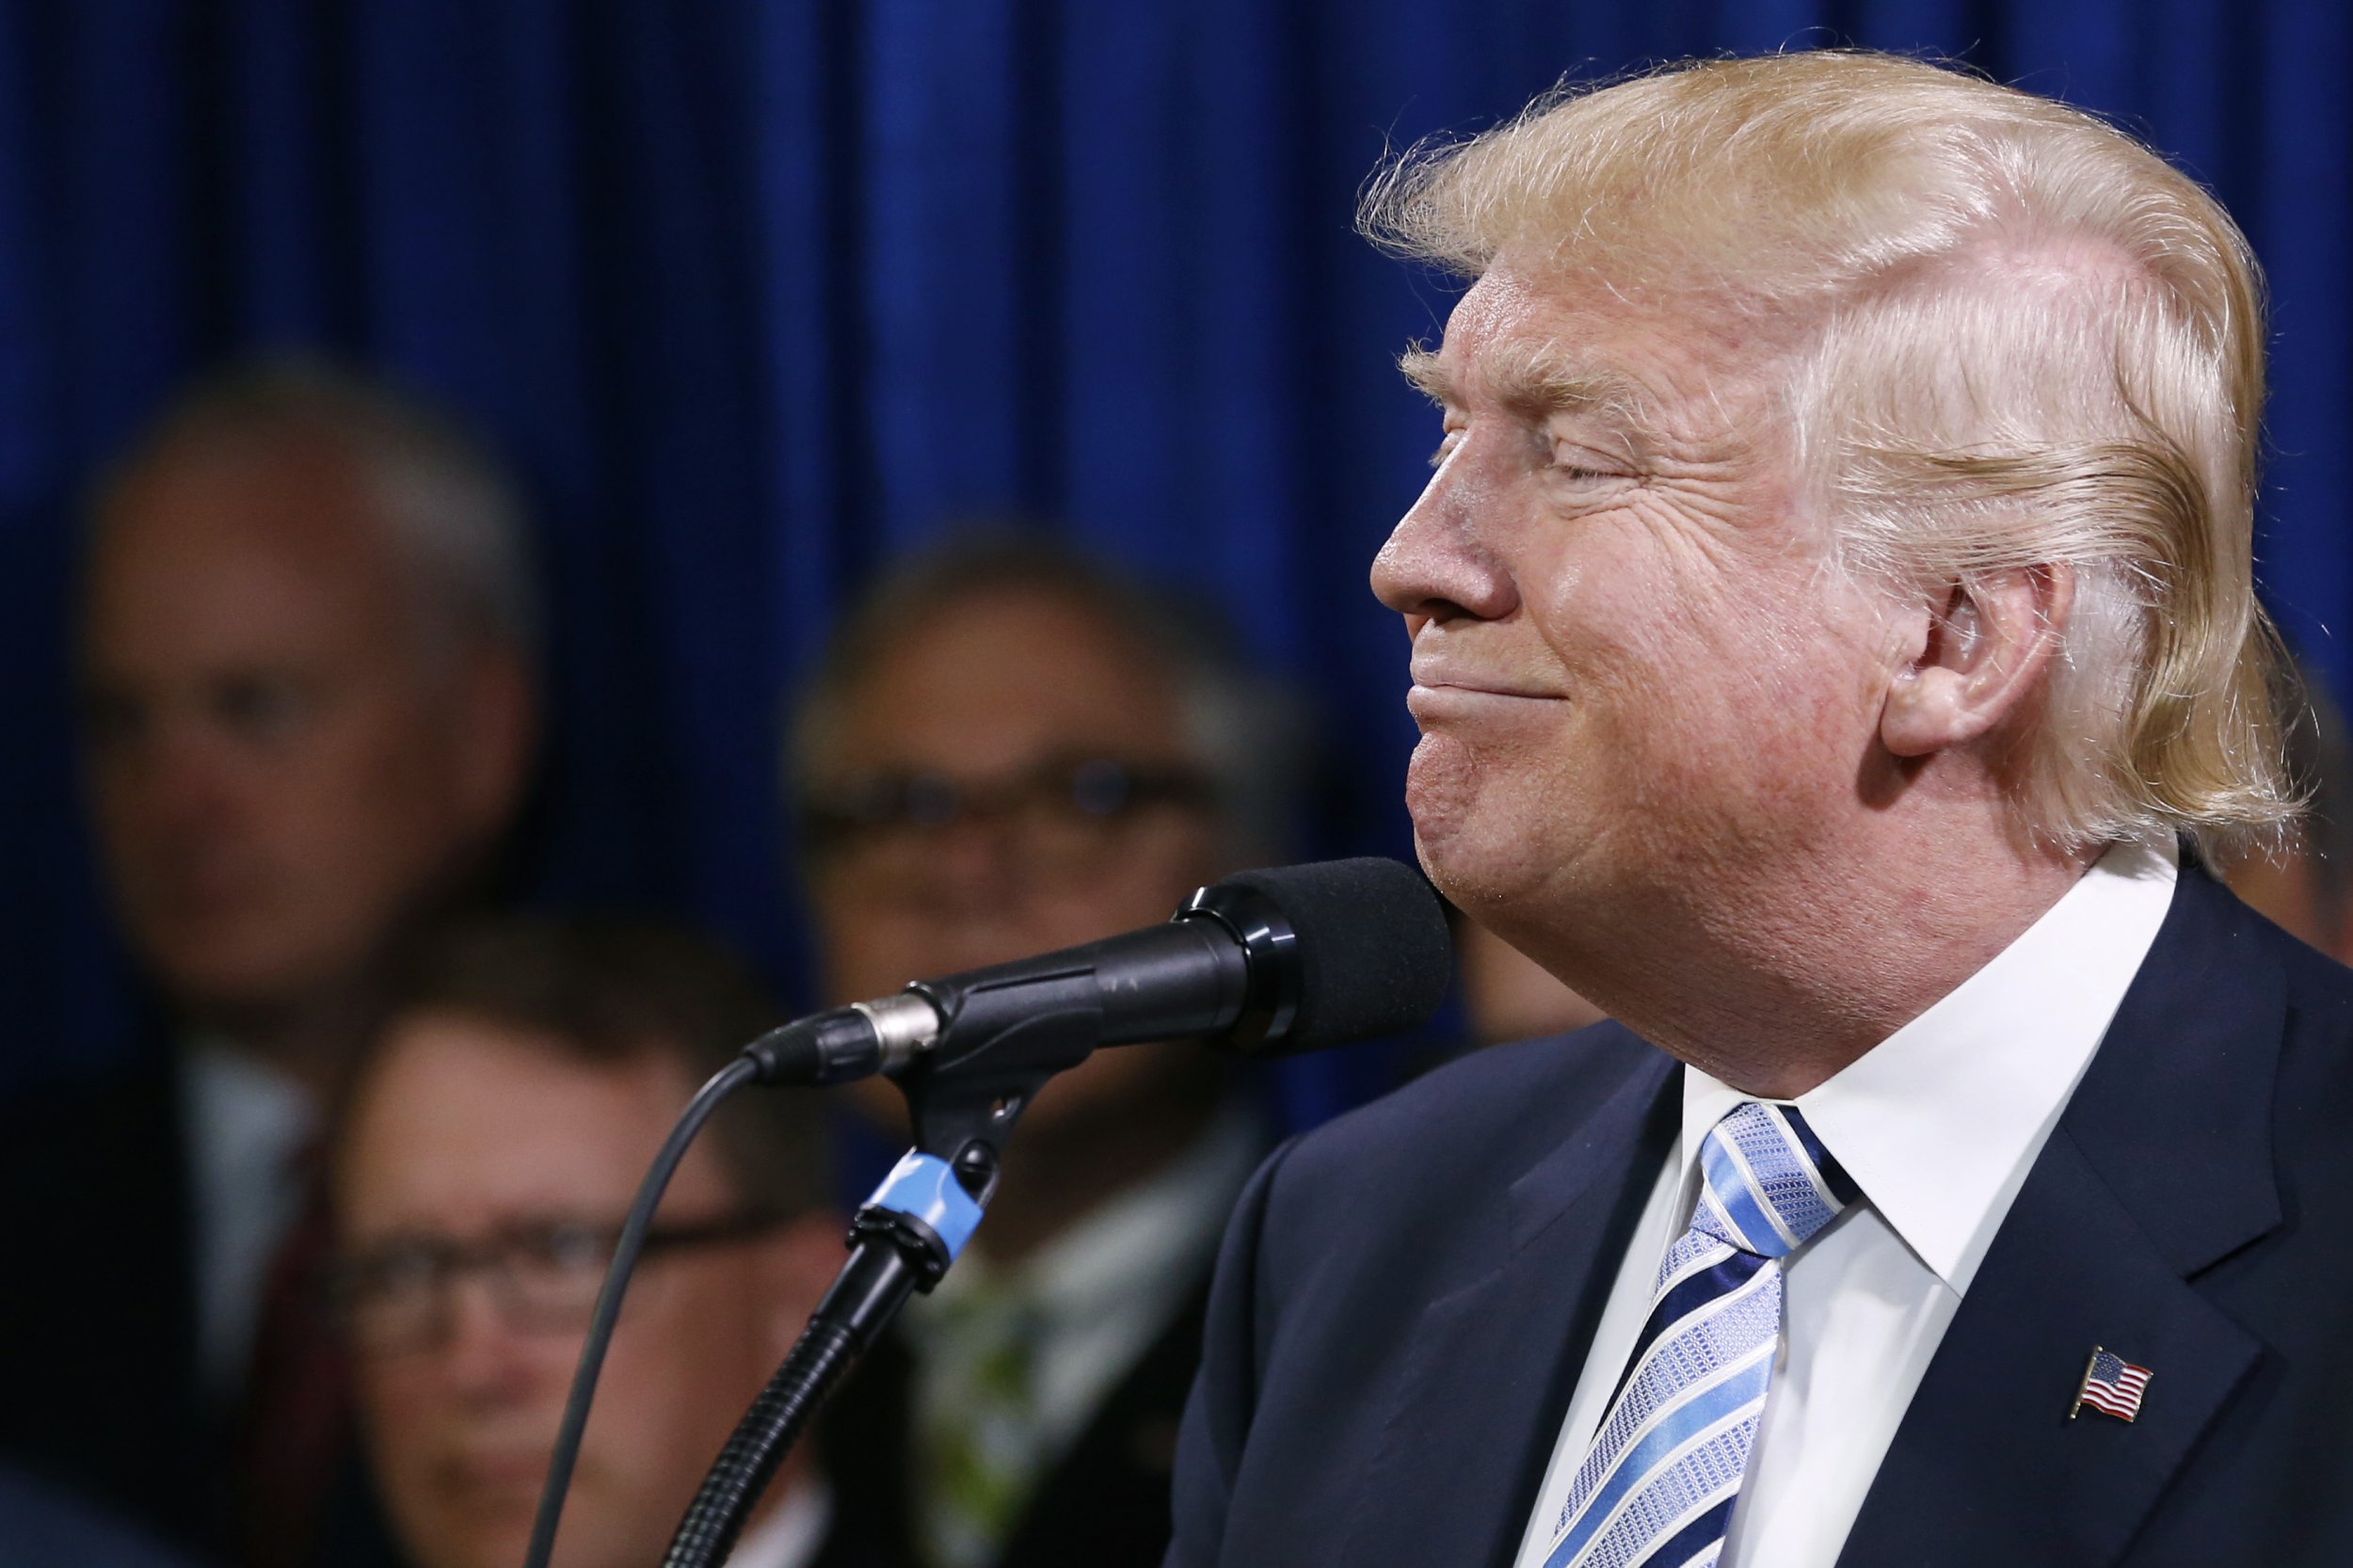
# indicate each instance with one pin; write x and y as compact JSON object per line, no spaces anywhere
{"x":1474,"y":849}
{"x":229,"y":984}
{"x":1475,"y":882}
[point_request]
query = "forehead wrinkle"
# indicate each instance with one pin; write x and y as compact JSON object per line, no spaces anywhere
{"x":1531,"y":379}
{"x":1536,"y":381}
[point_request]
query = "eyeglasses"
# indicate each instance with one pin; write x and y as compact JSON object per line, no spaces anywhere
{"x":1061,"y":817}
{"x":543,"y":1276}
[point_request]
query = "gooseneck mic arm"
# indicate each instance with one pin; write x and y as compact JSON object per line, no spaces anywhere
{"x":1270,"y":961}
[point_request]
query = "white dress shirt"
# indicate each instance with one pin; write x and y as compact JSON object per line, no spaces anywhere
{"x":244,"y":1124}
{"x":1938,"y":1126}
{"x":792,"y":1534}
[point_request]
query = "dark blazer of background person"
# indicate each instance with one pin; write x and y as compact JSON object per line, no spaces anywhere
{"x":1407,"y":1296}
{"x":1106,"y":1503}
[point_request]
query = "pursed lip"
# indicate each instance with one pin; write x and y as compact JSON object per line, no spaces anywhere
{"x":1428,"y":676}
{"x":1433,"y":698}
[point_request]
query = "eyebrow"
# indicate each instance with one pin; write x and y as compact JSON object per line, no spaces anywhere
{"x":1536,"y":382}
{"x":1425,"y":372}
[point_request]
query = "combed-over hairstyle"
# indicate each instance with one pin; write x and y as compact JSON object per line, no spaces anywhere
{"x":2021,"y":339}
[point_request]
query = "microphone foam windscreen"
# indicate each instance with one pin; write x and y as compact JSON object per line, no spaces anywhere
{"x":1374,"y":951}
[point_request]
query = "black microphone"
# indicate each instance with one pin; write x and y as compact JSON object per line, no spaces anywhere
{"x":1266,"y":962}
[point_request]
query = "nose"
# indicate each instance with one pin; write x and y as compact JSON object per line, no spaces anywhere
{"x":1437,"y":563}
{"x":974,"y":870}
{"x":188,"y":777}
{"x":484,"y":1359}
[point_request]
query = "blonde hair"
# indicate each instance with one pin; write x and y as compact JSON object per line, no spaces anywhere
{"x":2027,"y":342}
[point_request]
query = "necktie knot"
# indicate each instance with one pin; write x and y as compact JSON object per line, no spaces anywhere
{"x":1767,"y":1184}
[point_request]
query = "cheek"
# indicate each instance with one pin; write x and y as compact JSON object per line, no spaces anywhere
{"x":1156,"y":863}
{"x":391,"y":777}
{"x":873,"y":948}
{"x":400,"y":1391}
{"x":1769,"y":733}
{"x":867,"y":947}
{"x":1493,"y":809}
{"x":673,"y":1389}
{"x":407,"y":1422}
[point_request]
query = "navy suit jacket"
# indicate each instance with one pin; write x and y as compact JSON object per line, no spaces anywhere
{"x":1407,"y":1296}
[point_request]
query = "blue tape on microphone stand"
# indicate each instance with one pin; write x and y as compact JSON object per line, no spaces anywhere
{"x":923,"y":1188}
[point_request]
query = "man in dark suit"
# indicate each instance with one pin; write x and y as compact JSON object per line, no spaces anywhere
{"x":1011,"y":750}
{"x":1834,"y":648}
{"x":497,"y":1132}
{"x":307,"y":662}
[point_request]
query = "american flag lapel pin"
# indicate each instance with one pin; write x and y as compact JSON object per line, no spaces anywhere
{"x":2112,"y":1385}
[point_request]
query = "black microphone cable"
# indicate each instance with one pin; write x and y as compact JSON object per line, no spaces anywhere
{"x":725,"y":1082}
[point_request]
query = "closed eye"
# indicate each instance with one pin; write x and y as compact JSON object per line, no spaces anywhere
{"x":1583,"y":464}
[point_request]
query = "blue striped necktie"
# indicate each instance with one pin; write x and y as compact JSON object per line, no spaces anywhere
{"x":1658,"y":1485}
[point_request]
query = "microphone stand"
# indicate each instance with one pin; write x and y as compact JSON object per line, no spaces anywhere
{"x":996,"y":1048}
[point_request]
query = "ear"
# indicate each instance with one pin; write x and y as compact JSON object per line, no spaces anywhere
{"x":498,"y":734}
{"x":1971,"y":658}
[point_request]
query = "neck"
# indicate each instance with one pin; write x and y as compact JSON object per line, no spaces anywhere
{"x":1775,"y":984}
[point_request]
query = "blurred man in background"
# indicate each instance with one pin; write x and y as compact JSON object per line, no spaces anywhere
{"x":1007,"y":751}
{"x":493,"y":1145}
{"x":307,"y":663}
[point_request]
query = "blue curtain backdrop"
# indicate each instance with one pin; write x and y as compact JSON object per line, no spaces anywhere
{"x":757,"y":294}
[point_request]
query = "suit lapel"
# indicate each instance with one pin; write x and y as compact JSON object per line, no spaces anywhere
{"x":2160,"y":1166}
{"x":1987,"y":1467}
{"x":1493,"y":1364}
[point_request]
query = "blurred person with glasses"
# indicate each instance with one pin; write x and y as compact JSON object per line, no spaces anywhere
{"x":1010,"y":748}
{"x":491,"y":1148}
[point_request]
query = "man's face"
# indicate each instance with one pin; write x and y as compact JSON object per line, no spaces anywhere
{"x":279,"y":773}
{"x":1011,"y":687}
{"x":1634,"y":674}
{"x":467,"y":1131}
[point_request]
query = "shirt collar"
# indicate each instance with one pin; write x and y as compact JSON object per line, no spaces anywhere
{"x":1940,"y":1121}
